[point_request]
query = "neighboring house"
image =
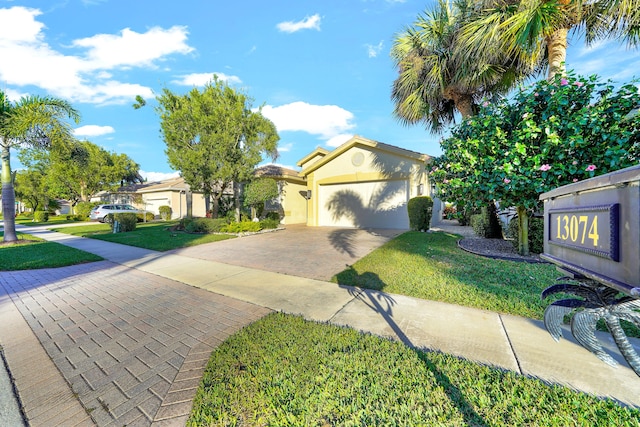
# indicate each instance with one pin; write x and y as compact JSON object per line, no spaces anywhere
{"x":363,"y":183}
{"x":151,"y":195}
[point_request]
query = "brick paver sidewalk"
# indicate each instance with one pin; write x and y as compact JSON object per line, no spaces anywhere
{"x":131,"y":345}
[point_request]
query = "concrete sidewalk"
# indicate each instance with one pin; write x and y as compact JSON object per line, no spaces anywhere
{"x":127,"y":333}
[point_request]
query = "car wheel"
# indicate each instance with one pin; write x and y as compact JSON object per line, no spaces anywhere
{"x":107,"y":219}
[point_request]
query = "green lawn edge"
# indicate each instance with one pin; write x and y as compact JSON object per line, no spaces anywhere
{"x":157,"y":236}
{"x":286,"y":371}
{"x":39,"y":254}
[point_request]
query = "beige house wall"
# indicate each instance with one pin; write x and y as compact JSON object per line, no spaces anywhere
{"x":176,"y":200}
{"x":293,"y":202}
{"x":359,"y":164}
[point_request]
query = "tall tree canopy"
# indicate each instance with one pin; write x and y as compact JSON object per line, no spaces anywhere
{"x":437,"y":76}
{"x":33,"y":121}
{"x":539,"y":28}
{"x":549,"y":135}
{"x":82,"y":169}
{"x":214,"y":137}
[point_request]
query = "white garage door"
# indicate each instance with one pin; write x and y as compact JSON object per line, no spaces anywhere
{"x":378,"y":204}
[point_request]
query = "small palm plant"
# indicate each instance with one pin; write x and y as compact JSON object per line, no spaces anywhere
{"x":596,"y":301}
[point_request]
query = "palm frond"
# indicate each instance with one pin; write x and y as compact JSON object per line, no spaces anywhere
{"x":583,"y":326}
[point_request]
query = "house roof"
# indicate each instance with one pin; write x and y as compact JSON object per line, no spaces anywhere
{"x":173,"y":184}
{"x":361,"y":141}
{"x":275,"y":171}
{"x":321,"y":152}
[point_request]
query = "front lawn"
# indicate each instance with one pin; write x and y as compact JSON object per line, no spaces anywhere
{"x":53,"y":220}
{"x":157,"y":236}
{"x":431,"y":266}
{"x":32,"y":253}
{"x":285,"y":371}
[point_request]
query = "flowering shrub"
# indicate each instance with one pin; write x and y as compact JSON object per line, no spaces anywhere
{"x":549,"y":135}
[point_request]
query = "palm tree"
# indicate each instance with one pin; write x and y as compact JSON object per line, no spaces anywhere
{"x":437,"y":78}
{"x":595,"y":302}
{"x":538,"y":28}
{"x":33,"y":121}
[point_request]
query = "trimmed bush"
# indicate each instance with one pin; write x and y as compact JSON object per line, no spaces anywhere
{"x":273,"y":215}
{"x":83,"y":209}
{"x":420,"y":209}
{"x":486,"y":224}
{"x":242,"y":227}
{"x":141,"y":216}
{"x":165,"y":212}
{"x":126,"y":221}
{"x":74,"y":218}
{"x":536,"y":234}
{"x":203,"y":225}
{"x":269,"y":223}
{"x":41,"y":216}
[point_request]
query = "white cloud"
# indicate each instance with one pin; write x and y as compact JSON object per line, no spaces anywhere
{"x":81,"y":78}
{"x":338,"y":140}
{"x":308,"y":23}
{"x":129,"y":48}
{"x":200,"y":79}
{"x":285,"y":148}
{"x":326,"y":121}
{"x":158,"y":176}
{"x":14,"y":95}
{"x":374,"y":50}
{"x":93,"y":130}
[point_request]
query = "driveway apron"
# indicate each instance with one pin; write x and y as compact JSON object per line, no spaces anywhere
{"x":132,"y":345}
{"x":313,"y":252}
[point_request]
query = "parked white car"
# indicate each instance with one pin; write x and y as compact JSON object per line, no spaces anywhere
{"x":100,"y":212}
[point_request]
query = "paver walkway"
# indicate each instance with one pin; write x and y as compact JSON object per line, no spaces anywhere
{"x":131,"y":345}
{"x":125,"y":341}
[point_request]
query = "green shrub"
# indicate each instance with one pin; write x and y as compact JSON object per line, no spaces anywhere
{"x":420,"y":209}
{"x":242,"y":227}
{"x":269,"y":223}
{"x":273,"y":215}
{"x":126,"y":221}
{"x":203,"y":225}
{"x":74,"y":218}
{"x":536,"y":234}
{"x":165,"y":212}
{"x":41,"y":216}
{"x":83,"y":209}
{"x":486,"y":224}
{"x":149,"y":216}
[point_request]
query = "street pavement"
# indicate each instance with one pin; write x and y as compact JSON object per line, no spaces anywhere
{"x":125,"y":340}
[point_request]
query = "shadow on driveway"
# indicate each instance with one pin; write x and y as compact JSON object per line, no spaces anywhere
{"x":312,"y":252}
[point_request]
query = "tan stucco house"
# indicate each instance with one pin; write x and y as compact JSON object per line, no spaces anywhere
{"x":362,"y":183}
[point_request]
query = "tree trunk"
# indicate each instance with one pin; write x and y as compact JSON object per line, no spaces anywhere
{"x":189,"y":201}
{"x":523,"y":231}
{"x":463,"y":102}
{"x":557,"y":51}
{"x":236,"y":199}
{"x":215,"y":211}
{"x":8,"y":198}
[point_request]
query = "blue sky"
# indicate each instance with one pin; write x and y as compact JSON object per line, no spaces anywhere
{"x":320,"y":68}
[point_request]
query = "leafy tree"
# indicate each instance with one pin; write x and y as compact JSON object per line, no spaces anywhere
{"x":34,"y":121}
{"x":259,"y":191}
{"x":215,"y":138}
{"x":549,"y":135}
{"x":437,"y":76}
{"x":539,"y":28}
{"x":30,"y":188}
{"x":82,"y":169}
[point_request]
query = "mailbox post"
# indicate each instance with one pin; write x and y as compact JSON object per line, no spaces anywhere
{"x":592,"y":235}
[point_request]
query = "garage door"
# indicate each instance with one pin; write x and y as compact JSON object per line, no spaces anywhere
{"x":377,"y":204}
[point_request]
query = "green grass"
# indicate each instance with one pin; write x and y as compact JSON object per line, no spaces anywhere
{"x":285,"y":371}
{"x":40,"y":254}
{"x":431,"y":266}
{"x":53,"y":220}
{"x":157,"y":236}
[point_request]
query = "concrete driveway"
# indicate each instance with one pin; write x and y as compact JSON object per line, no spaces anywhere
{"x":312,"y":252}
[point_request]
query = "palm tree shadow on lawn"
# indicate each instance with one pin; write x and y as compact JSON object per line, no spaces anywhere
{"x":383,"y":303}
